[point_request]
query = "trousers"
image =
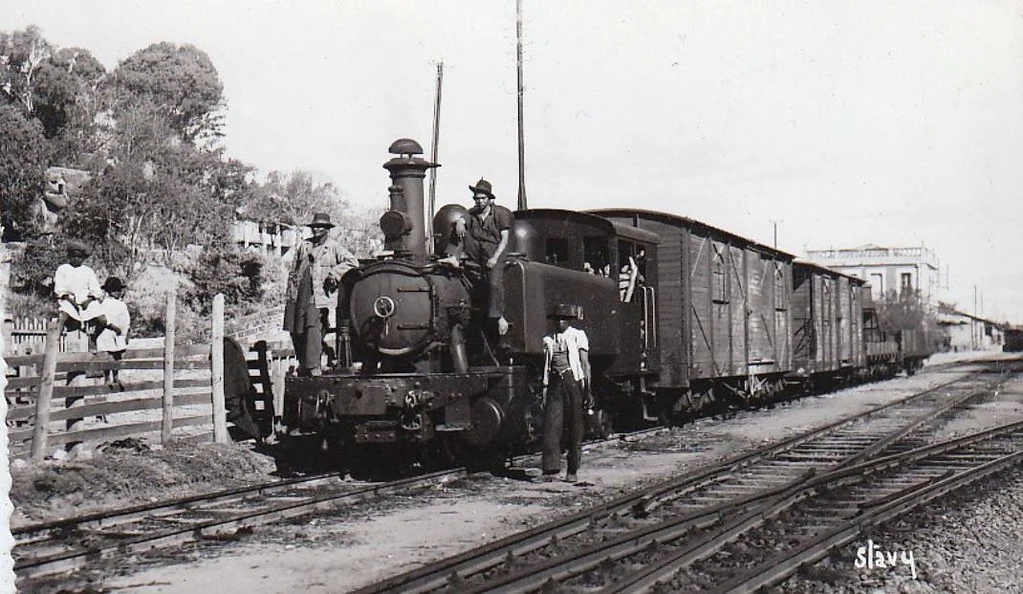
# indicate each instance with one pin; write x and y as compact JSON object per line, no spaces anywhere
{"x":563,"y":410}
{"x":309,"y":343}
{"x":492,"y":279}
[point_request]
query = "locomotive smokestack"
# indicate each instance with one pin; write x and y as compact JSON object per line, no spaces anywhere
{"x":404,"y":226}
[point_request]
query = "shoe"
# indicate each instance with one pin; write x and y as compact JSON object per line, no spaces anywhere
{"x":549,"y":476}
{"x":571,"y":478}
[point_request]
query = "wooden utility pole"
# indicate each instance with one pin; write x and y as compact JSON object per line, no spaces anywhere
{"x":522,"y":136}
{"x":433,"y":158}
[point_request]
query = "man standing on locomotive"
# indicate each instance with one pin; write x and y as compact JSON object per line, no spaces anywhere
{"x":566,"y":377}
{"x":484,"y":238}
{"x":320,"y":262}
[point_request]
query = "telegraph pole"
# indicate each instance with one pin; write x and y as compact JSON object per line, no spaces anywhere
{"x":433,"y":153}
{"x":522,"y":137}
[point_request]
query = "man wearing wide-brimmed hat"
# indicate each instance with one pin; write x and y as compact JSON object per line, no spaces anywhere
{"x":566,"y":376}
{"x":485,"y":238}
{"x":320,"y":262}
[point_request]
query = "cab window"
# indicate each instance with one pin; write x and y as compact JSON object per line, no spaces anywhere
{"x":631,"y":270}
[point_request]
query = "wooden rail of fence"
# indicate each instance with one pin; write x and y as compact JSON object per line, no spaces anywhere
{"x":25,"y":336}
{"x":171,"y":392}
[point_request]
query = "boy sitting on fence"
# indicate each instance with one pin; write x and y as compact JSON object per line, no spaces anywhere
{"x":78,"y":293}
{"x":113,"y":335}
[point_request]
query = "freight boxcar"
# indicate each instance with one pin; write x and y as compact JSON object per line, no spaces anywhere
{"x":880,"y":346}
{"x":827,"y":324}
{"x":1013,"y":340}
{"x":722,"y":311}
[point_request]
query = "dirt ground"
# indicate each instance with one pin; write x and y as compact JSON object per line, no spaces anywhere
{"x":352,"y":549}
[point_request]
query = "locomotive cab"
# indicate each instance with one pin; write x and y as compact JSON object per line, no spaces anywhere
{"x":601,"y":266}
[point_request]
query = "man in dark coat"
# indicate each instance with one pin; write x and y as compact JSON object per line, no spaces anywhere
{"x":312,"y":295}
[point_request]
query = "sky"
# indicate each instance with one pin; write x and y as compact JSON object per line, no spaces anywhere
{"x":840,"y":123}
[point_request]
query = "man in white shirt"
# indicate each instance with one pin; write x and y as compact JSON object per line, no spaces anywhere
{"x":566,"y":375}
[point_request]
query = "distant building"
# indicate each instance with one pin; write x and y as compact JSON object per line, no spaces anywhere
{"x":967,"y":332}
{"x":887,"y":268}
{"x":270,"y":238}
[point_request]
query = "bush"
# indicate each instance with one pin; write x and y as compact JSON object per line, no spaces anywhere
{"x":224,"y":268}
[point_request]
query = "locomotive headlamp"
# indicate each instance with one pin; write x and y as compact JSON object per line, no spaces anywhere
{"x":384,"y":307}
{"x":394,"y":224}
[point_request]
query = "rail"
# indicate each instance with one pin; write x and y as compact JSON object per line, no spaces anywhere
{"x":553,"y":553}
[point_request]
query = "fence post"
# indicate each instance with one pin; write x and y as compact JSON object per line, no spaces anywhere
{"x":168,"y":367}
{"x":45,"y":395}
{"x":277,"y":381}
{"x":217,"y":371}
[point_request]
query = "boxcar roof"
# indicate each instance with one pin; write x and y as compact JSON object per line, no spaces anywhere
{"x":591,"y":220}
{"x":825,"y":270}
{"x":686,"y":222}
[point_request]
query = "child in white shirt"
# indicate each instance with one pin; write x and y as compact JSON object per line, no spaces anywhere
{"x":115,"y":320}
{"x":77,"y":289}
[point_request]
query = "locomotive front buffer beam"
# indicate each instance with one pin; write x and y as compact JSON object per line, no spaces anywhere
{"x":404,"y":407}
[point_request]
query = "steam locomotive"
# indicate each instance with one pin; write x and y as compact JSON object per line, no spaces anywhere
{"x":681,"y":316}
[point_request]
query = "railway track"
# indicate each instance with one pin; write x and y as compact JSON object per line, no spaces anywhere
{"x":69,"y":544}
{"x":72,"y":543}
{"x":700,"y":512}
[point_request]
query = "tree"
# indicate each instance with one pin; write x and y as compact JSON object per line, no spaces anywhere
{"x":22,"y":54}
{"x":293,"y":198}
{"x":67,"y":100}
{"x":903,"y":310}
{"x":180,"y":82}
{"x":224,"y":268}
{"x":23,"y":158}
{"x":359,"y":231}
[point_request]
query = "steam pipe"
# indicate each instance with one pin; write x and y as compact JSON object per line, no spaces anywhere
{"x":459,"y":358}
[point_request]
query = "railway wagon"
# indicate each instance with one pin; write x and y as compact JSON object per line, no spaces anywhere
{"x":915,"y":346}
{"x":722,"y":311}
{"x":1013,"y":340}
{"x":827,"y":325}
{"x":880,"y":346}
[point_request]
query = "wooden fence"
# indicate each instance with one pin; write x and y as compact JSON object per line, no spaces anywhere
{"x":25,"y":336}
{"x":57,"y":400}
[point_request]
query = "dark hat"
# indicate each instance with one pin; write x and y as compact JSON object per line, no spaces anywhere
{"x":76,"y":245}
{"x":564,"y":310}
{"x":483,"y":187}
{"x":112,"y":284}
{"x":320,"y":219}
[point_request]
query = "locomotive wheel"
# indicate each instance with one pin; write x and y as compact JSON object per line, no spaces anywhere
{"x":475,"y":459}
